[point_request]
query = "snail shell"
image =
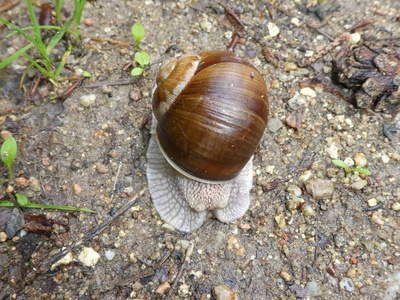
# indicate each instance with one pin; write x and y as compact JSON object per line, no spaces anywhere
{"x":210,"y":113}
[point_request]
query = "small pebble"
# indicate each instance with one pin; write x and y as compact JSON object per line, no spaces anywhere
{"x":89,"y":257}
{"x":377,"y":218}
{"x":349,"y":162}
{"x":290,"y":67}
{"x":285,"y":276}
{"x":183,"y":290}
{"x":305,"y":176}
{"x":346,"y":284}
{"x":223,"y":292}
{"x":137,"y":286}
{"x":307,"y":210}
{"x":274,"y":124}
{"x":168,"y":226}
{"x":88,"y":22}
{"x":385,"y":158}
{"x":205,"y":24}
{"x":297,"y":101}
{"x":21,"y":182}
{"x":163,"y":288}
{"x":87,"y":100}
{"x":109,"y":254}
{"x":396,"y":206}
{"x":360,"y":160}
{"x":270,"y":169}
{"x":232,"y":244}
{"x":308,"y":92}
{"x":67,"y":259}
{"x":359,"y":184}
{"x":372,"y":202}
{"x":134,"y":95}
{"x":295,"y":22}
{"x":275,"y":84}
{"x":354,"y":38}
{"x":273,"y":29}
{"x":101,"y":168}
{"x":5,"y":134}
{"x":240,"y":251}
{"x":76,"y":189}
{"x":293,"y":120}
{"x":313,"y":289}
{"x":351,"y":273}
{"x":3,"y":236}
{"x":320,"y":188}
{"x":34,"y":184}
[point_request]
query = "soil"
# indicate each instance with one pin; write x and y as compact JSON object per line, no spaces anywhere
{"x":344,"y":246}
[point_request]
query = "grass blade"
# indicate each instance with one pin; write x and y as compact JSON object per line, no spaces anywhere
{"x":62,"y":62}
{"x":58,"y":36}
{"x":36,"y":31}
{"x":19,"y":30}
{"x":47,"y":73}
{"x":14,"y":56}
{"x":41,"y":27}
{"x":59,"y":207}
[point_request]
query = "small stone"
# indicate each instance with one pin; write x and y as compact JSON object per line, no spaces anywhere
{"x":245,"y":226}
{"x":274,"y":124}
{"x":275,"y":84}
{"x":168,"y":226}
{"x":106,"y":89}
{"x":184,"y":244}
{"x":67,"y":259}
{"x":109,"y":254}
{"x":309,"y":53}
{"x":354,"y":38}
{"x":21,"y":182}
{"x":228,"y":35}
{"x":15,"y":223}
{"x":223,"y":292}
{"x":280,"y":221}
{"x":295,"y":22}
{"x":313,"y":289}
{"x":5,"y":134}
{"x":132,"y":258}
{"x":205,"y":24}
{"x":308,"y":92}
{"x":307,"y":210}
{"x":360,"y":160}
{"x":327,"y":69}
{"x":113,"y":153}
{"x":88,"y":22}
{"x":163,"y":288}
{"x":293,"y":120}
{"x":183,"y":290}
{"x":333,"y":150}
{"x":346,"y":284}
{"x":293,"y":204}
{"x":377,"y":218}
{"x":305,"y":176}
{"x":372,"y":202}
{"x":137,"y":286}
{"x":351,"y":273}
{"x":294,"y":190}
{"x":270,"y":169}
{"x":300,"y":72}
{"x":359,"y":184}
{"x":369,"y":245}
{"x":76,"y":189}
{"x":297,"y":101}
{"x":232,"y":244}
{"x":273,"y":29}
{"x":285,"y":276}
{"x":385,"y":158}
{"x":87,"y":100}
{"x":34,"y":184}
{"x":396,"y":206}
{"x":3,"y":236}
{"x":320,"y":188}
{"x":240,"y":251}
{"x":349,"y":162}
{"x":101,"y":168}
{"x":291,"y":67}
{"x":134,"y":95}
{"x":89,"y":257}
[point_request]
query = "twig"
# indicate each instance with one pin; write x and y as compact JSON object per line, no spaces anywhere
{"x":115,"y":181}
{"x":234,"y":41}
{"x":101,"y":83}
{"x":231,"y":13}
{"x":108,"y":41}
{"x":90,"y":235}
{"x":320,"y":31}
{"x":186,"y":261}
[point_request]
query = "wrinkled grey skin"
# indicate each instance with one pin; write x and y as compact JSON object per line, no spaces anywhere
{"x":184,"y":202}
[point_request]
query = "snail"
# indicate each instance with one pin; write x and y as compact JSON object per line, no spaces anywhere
{"x":210,"y":113}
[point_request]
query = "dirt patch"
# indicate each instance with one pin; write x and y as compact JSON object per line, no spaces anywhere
{"x":343,"y":246}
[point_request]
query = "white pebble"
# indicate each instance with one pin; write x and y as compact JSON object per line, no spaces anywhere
{"x":372,"y":202}
{"x":305,"y":176}
{"x":333,"y":151}
{"x":109,"y":254}
{"x":309,"y":92}
{"x":396,"y":206}
{"x":349,"y":161}
{"x":385,"y":158}
{"x":273,"y":29}
{"x":354,"y":38}
{"x":228,"y":35}
{"x":63,"y":261}
{"x":270,"y":169}
{"x":88,"y":100}
{"x":89,"y":257}
{"x":309,"y":53}
{"x":295,"y":22}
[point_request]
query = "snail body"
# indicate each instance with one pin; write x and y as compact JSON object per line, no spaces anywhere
{"x":210,"y":111}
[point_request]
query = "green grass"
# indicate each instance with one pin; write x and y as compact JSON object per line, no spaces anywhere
{"x":33,"y":35}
